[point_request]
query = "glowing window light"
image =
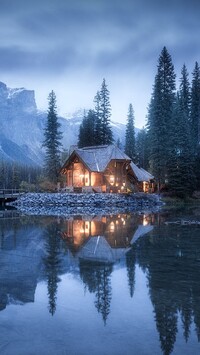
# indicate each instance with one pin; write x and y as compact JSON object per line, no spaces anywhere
{"x":112,"y":226}
{"x":112,"y":179}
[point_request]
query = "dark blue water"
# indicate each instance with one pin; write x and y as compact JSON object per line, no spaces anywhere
{"x":120,"y":284}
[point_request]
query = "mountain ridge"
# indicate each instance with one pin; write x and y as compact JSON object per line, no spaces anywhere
{"x":22,"y":126}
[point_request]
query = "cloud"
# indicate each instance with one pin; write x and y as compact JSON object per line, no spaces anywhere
{"x":89,"y":39}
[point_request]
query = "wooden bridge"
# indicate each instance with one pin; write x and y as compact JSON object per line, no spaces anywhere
{"x":9,"y":195}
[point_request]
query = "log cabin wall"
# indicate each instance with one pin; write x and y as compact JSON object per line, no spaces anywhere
{"x":116,"y":175}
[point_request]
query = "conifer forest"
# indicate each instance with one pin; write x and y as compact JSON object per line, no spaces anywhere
{"x":168,"y":146}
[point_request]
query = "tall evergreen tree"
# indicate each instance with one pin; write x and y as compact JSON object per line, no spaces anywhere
{"x":15,"y":177}
{"x":98,"y":126}
{"x":160,"y":117}
{"x":181,"y":162}
{"x":195,"y":120}
{"x":195,"y":107}
{"x":185,"y":91}
{"x":52,"y":140}
{"x":185,"y":154}
{"x":141,"y":146}
{"x":87,"y":130}
{"x":95,"y":128}
{"x":119,"y":143}
{"x":130,"y":135}
{"x":105,"y":113}
{"x":82,"y":137}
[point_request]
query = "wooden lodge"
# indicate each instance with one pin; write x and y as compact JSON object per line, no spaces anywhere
{"x":103,"y":168}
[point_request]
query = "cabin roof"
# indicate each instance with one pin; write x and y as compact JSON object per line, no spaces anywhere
{"x":97,"y":249}
{"x":140,"y":232}
{"x":140,"y":173}
{"x":98,"y":157}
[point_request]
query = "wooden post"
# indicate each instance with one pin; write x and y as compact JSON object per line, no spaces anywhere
{"x":72,"y":174}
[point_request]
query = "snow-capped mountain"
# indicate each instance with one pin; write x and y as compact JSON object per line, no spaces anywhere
{"x":22,"y":127}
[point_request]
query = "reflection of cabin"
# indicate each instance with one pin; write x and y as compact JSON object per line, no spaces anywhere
{"x":99,"y":238}
{"x":102,"y":169}
{"x":118,"y":229}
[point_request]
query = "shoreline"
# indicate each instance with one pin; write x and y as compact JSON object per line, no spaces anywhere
{"x":71,"y":203}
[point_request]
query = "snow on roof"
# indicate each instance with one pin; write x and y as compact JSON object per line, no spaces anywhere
{"x":140,"y":173}
{"x":147,"y":174}
{"x":97,"y":249}
{"x":140,"y":231}
{"x":98,"y":157}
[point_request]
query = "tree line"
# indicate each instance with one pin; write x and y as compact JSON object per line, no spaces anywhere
{"x":95,"y":128}
{"x":169,"y":145}
{"x":17,"y":176}
{"x":173,"y":128}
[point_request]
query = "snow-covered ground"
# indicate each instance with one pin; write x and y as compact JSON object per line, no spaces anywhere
{"x":59,"y":204}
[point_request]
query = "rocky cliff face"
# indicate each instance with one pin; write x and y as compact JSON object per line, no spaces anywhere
{"x":16,"y":100}
{"x":21,"y":132}
{"x":22,"y":127}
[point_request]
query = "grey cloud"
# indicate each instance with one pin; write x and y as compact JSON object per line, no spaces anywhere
{"x":14,"y":58}
{"x":100,"y":37}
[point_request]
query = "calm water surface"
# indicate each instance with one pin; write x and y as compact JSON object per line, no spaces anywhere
{"x":120,"y":284}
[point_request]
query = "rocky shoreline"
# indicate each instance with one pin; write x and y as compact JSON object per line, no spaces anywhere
{"x":71,"y":203}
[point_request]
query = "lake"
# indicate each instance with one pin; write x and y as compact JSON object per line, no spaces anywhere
{"x":104,"y":284}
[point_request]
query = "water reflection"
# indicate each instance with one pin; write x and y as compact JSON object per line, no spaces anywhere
{"x":171,"y":259}
{"x":97,"y":278}
{"x":52,"y":263}
{"x":92,"y":249}
{"x":117,"y":229}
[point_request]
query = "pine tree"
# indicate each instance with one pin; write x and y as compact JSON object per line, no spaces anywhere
{"x":98,"y":126}
{"x":195,"y":108}
{"x":141,"y":147}
{"x":185,"y":137}
{"x":52,"y":140}
{"x":160,"y":117}
{"x":15,"y":177}
{"x":185,"y":91}
{"x":119,"y":143}
{"x":105,"y":113}
{"x":82,"y":133}
{"x":130,"y":134}
{"x":195,"y":120}
{"x":87,"y":130}
{"x":3,"y":175}
{"x":181,"y":162}
{"x":95,"y":128}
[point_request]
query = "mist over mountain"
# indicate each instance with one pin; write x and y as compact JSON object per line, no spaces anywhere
{"x":22,"y":127}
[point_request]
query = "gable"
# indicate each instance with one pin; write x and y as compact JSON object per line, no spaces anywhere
{"x":97,"y":158}
{"x":73,"y":158}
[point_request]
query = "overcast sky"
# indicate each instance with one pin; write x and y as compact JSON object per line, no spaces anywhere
{"x":71,"y":45}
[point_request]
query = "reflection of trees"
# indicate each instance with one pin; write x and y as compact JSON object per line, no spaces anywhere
{"x":171,"y":258}
{"x":96,"y":276}
{"x":52,"y":264}
{"x":9,"y":226}
{"x":130,"y":264}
